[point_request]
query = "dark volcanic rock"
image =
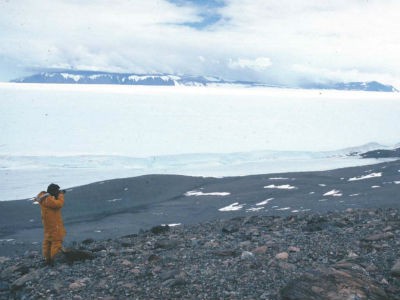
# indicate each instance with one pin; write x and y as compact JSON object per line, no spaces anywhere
{"x":225,"y":253}
{"x":166,"y":244}
{"x":87,"y":241}
{"x":72,"y":255}
{"x":379,"y":236}
{"x":351,"y":254}
{"x":20,"y":282}
{"x":159,"y":229}
{"x":4,"y":286}
{"x":396,"y":269}
{"x":395,"y":153}
{"x":346,"y":281}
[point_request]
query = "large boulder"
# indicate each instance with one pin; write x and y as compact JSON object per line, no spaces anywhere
{"x":395,"y":271}
{"x":340,"y":282}
{"x":70,"y":255}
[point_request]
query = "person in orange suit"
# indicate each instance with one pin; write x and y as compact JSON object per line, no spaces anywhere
{"x":54,"y":231}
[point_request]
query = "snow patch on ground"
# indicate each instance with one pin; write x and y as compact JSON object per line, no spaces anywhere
{"x":232,"y":207}
{"x":283,"y":208}
{"x":280,"y":187}
{"x":372,"y":175}
{"x":199,"y":193}
{"x":334,"y":193}
{"x":114,"y":200}
{"x":265,"y":202}
{"x":172,"y":224}
{"x":255,"y":209}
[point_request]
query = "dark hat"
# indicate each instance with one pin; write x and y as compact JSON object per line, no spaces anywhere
{"x":53,"y":189}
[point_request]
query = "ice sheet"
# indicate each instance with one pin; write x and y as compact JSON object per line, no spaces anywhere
{"x":78,"y":134}
{"x":137,"y":121}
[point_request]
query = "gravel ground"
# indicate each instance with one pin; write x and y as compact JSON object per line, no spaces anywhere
{"x":120,"y":207}
{"x":351,"y":254}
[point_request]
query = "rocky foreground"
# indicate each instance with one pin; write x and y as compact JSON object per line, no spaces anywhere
{"x":340,"y":255}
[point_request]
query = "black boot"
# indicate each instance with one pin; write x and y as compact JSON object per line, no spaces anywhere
{"x":48,"y":263}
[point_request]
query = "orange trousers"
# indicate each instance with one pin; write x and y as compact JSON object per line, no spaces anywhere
{"x":51,"y":248}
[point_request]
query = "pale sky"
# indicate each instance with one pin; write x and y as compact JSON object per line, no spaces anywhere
{"x":287,"y":42}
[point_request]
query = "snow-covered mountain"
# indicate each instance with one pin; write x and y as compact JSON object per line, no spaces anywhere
{"x":372,"y":86}
{"x":91,"y":77}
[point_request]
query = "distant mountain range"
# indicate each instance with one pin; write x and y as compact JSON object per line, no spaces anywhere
{"x":372,"y":86}
{"x":91,"y":77}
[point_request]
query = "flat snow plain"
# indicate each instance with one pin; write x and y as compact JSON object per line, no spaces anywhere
{"x":78,"y":134}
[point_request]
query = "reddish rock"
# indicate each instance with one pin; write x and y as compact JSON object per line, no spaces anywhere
{"x":379,"y":236}
{"x":282,"y":255}
{"x":293,"y":249}
{"x":260,"y":250}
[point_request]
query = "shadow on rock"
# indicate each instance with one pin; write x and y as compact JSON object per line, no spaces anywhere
{"x":344,"y":280}
{"x":70,"y":255}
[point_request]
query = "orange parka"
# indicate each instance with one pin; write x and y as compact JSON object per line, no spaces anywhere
{"x":51,"y":217}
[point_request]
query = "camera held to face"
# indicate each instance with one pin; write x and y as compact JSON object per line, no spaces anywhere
{"x":54,"y":190}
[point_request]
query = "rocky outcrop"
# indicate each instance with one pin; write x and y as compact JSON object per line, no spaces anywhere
{"x":342,"y":281}
{"x":382,"y":153}
{"x":343,"y":255}
{"x":395,"y":271}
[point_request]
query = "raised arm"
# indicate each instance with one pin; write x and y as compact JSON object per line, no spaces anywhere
{"x":52,"y":202}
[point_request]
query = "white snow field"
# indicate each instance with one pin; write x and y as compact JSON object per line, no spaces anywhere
{"x":78,"y":134}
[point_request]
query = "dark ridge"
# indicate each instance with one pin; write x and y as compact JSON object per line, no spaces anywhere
{"x":395,"y":153}
{"x":125,"y":206}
